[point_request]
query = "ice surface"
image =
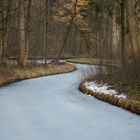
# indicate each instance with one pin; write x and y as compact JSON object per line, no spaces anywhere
{"x":52,"y":108}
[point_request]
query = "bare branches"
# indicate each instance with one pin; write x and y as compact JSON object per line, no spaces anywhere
{"x":68,"y":30}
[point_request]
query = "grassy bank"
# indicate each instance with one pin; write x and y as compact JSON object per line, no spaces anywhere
{"x":91,"y":61}
{"x":9,"y":74}
{"x":130,"y":87}
{"x":132,"y":90}
{"x":84,"y":61}
{"x":128,"y":103}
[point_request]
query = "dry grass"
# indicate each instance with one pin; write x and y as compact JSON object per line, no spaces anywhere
{"x":91,"y":61}
{"x":11,"y":74}
{"x":131,"y":89}
{"x":128,"y":104}
{"x":84,"y":61}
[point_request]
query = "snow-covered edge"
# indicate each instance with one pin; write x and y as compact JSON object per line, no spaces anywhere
{"x":104,"y":89}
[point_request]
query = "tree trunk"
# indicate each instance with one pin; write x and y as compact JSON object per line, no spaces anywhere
{"x":27,"y":36}
{"x":114,"y":33}
{"x":5,"y":18}
{"x":123,"y":38}
{"x":46,"y":31}
{"x":24,"y":33}
{"x":22,"y":55}
{"x":134,"y":33}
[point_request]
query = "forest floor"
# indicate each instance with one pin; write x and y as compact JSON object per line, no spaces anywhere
{"x":12,"y":73}
{"x":108,"y":87}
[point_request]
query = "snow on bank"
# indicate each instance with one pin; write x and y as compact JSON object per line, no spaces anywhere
{"x":104,"y":89}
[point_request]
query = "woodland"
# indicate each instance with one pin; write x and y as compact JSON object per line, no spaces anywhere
{"x":101,"y":32}
{"x":69,"y":69}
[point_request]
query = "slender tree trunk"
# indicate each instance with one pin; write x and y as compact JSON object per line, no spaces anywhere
{"x":22,"y":55}
{"x":24,"y":31}
{"x":46,"y":31}
{"x":5,"y":19}
{"x":27,"y":36}
{"x":134,"y":32}
{"x":2,"y":33}
{"x":123,"y":38}
{"x":114,"y":34}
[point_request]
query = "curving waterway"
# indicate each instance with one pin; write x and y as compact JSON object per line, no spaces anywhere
{"x":52,"y":108}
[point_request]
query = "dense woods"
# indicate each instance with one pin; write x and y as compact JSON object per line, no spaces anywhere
{"x":96,"y":42}
{"x":102,"y":29}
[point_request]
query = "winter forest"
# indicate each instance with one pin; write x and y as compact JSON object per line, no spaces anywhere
{"x":95,"y":42}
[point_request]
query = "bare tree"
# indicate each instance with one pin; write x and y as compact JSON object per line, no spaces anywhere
{"x":24,"y":31}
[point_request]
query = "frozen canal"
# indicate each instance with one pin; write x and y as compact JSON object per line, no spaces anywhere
{"x":52,"y":108}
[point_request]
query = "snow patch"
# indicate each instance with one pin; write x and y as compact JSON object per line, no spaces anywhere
{"x":105,"y":89}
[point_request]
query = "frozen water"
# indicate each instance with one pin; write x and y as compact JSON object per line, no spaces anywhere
{"x":52,"y":108}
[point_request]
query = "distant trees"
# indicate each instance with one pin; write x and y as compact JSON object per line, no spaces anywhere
{"x":33,"y":28}
{"x":110,"y":30}
{"x":21,"y":13}
{"x":103,"y":29}
{"x":117,"y":33}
